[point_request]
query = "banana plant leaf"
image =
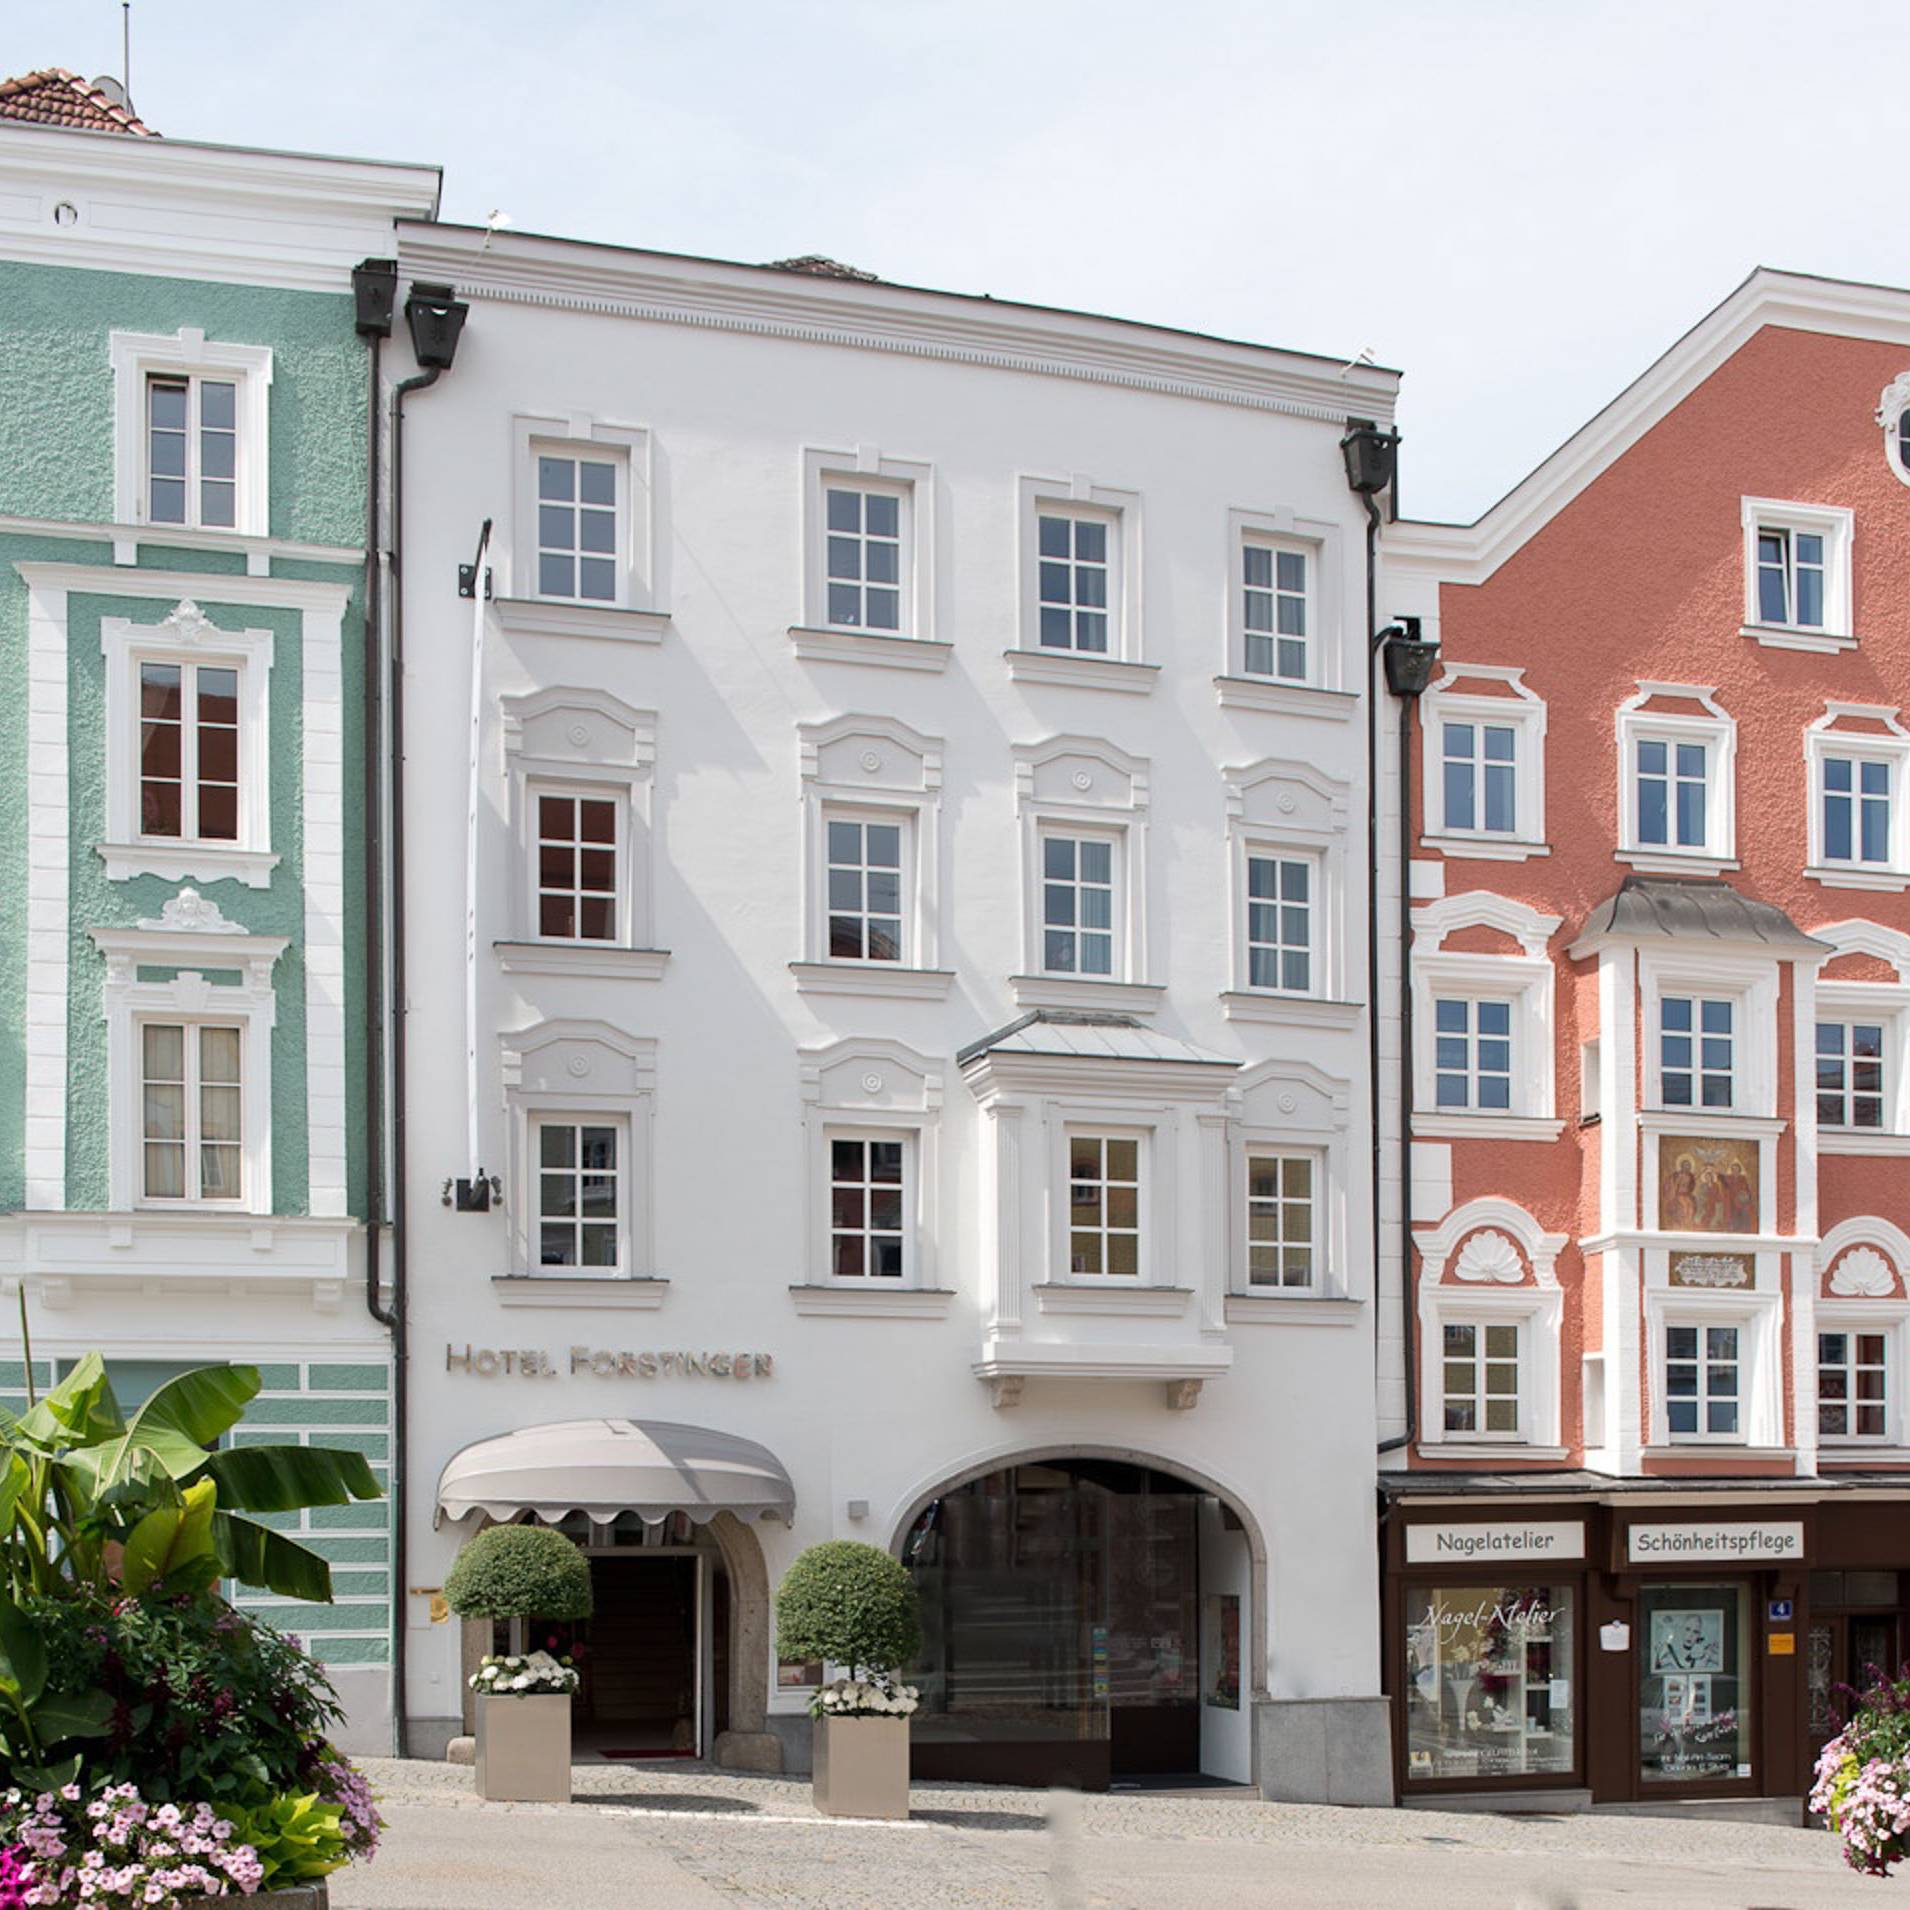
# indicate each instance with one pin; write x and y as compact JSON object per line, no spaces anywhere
{"x":22,"y":1656}
{"x":178,"y":1425}
{"x":80,"y":1714}
{"x":173,"y":1544}
{"x":289,"y":1478}
{"x":80,"y":1411}
{"x":256,"y":1555}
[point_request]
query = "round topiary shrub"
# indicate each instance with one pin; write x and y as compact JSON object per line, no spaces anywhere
{"x":850,"y":1604}
{"x":519,"y":1571}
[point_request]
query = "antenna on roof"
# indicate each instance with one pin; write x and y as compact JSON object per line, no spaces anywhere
{"x":1364,"y":356}
{"x":126,"y":50}
{"x":496,"y":223}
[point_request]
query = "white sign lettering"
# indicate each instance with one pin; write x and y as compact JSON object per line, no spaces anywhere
{"x":1700,"y":1544}
{"x":1461,"y":1544}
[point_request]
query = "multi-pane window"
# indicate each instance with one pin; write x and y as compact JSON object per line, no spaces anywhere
{"x":190,"y":1121}
{"x":1850,"y":1074}
{"x":1790,"y":577}
{"x":1073,"y":583}
{"x":1701,"y":1381}
{"x":576,"y":528}
{"x":1077,"y":905}
{"x":192,"y":452}
{"x":865,"y":889}
{"x":1853,"y":1372}
{"x":1472,"y":1054}
{"x":576,"y":868}
{"x":1696,"y":1051}
{"x":1480,"y":1385}
{"x":1274,"y":611}
{"x":1104,"y":1205}
{"x":189,"y":751}
{"x":1280,"y":923}
{"x":863,"y":567}
{"x":1281,"y":1220}
{"x":1856,"y":809}
{"x":579,"y":1194}
{"x":1480,"y":763}
{"x":1673,"y":791}
{"x":866,"y":1229}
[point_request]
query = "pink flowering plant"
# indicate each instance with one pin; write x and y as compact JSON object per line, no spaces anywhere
{"x":1862,"y":1786}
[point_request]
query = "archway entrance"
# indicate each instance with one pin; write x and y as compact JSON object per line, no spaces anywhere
{"x":1083,"y":1622}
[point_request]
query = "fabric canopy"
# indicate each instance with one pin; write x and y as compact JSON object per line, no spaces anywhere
{"x":606,"y":1466}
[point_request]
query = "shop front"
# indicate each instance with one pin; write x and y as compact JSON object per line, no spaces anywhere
{"x":1631,"y":1646}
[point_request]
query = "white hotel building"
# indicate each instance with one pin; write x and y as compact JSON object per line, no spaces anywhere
{"x":915,"y":1006}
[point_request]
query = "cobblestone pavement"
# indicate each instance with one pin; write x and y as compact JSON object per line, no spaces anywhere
{"x":670,"y":1836}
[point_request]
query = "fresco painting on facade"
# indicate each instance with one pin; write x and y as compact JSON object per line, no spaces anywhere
{"x":1706,"y":1185}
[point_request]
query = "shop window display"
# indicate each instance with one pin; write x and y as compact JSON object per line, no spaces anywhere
{"x":1489,"y":1674}
{"x":1694,"y":1699}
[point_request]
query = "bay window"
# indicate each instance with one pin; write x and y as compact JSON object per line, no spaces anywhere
{"x":1702,"y":1379}
{"x":1104,"y":1206}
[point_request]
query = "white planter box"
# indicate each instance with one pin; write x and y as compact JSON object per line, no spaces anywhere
{"x":862,"y":1767}
{"x":523,"y":1749}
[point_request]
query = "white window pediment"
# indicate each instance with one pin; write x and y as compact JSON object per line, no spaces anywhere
{"x":1848,"y":1005}
{"x":1282,"y":813}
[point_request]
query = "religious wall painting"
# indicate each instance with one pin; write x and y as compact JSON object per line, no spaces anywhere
{"x":1707,"y":1184}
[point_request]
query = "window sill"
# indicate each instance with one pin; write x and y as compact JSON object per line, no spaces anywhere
{"x":1784,"y":636}
{"x":1671,"y":862}
{"x":1879,"y":881}
{"x":1841,"y":1140}
{"x":1067,"y":1296}
{"x":1291,"y":1309}
{"x":1290,"y":1011}
{"x":1075,"y":991}
{"x":872,"y":978}
{"x":873,"y":1303}
{"x":1849,"y":1452}
{"x":815,"y":644}
{"x":1081,"y":672}
{"x":188,"y":861}
{"x":1487,"y":1450}
{"x":625,"y":1291}
{"x":1710,"y":1121}
{"x":607,"y":961}
{"x":1485,"y":1127}
{"x":534,"y":617}
{"x":1284,"y":699}
{"x":1698,"y":1442}
{"x":1485,"y":848}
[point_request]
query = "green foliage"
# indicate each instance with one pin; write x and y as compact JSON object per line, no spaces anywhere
{"x":520,"y":1571}
{"x":296,"y":1837}
{"x":850,"y":1604}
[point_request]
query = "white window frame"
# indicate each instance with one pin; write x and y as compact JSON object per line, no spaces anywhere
{"x":1249,"y":532}
{"x":539,"y":1118}
{"x":1888,"y":1320}
{"x":1834,"y":524}
{"x":866,"y":816}
{"x":1893,"y":407}
{"x":1083,"y":835}
{"x":579,"y":742}
{"x":1314,"y":947}
{"x":912,"y":481}
{"x":1289,"y":1107}
{"x":192,"y":1087}
{"x":590,"y":1073}
{"x":1703,"y":1362}
{"x":1528,"y":980}
{"x":1757,"y":1313}
{"x":862,"y":1089}
{"x":1317,"y":1203}
{"x":1697,"y":1000}
{"x":579,"y":435}
{"x":191,"y":937}
{"x":1521,"y":711}
{"x":1886,"y":1003}
{"x":1889,"y":1061}
{"x":187,"y":637}
{"x":1120,"y":511}
{"x":138,"y":357}
{"x":535,"y":791}
{"x":1481,"y":1324}
{"x":872,"y":769}
{"x":1711,"y":725}
{"x":1147,"y":1258}
{"x":910,"y":1231}
{"x":1751,"y":983}
{"x":1889,"y":742}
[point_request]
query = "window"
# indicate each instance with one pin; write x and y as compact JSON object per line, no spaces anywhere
{"x":1678,"y":780}
{"x":1275,"y":593}
{"x":867,"y":1206}
{"x":1073,"y":595}
{"x":1104,"y":1206}
{"x":1797,"y":575}
{"x":865,"y":888}
{"x":192,"y":452}
{"x":863,"y":559}
{"x":579,"y":1194}
{"x":1853,"y":1385}
{"x":1858,"y":836}
{"x":1790,"y":577}
{"x":1472,"y":1053}
{"x":1893,"y":414}
{"x":577,"y":540}
{"x":1480,"y":762}
{"x":1280,"y":903}
{"x":1695,"y":1648}
{"x":1077,"y":905}
{"x":1673,"y":792}
{"x":576,"y":868}
{"x":191,"y":1113}
{"x":1856,"y":809}
{"x":1702,"y":1382}
{"x":1850,"y":1074}
{"x":1696,"y":1051}
{"x":1480,"y":1390}
{"x":1282,"y":1228}
{"x":189,"y":751}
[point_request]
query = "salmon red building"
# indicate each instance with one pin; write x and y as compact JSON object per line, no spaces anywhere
{"x":1649,"y":1495}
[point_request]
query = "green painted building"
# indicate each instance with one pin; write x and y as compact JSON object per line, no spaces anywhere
{"x":185,"y":1166}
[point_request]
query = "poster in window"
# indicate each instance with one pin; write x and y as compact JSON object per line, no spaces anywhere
{"x":1220,"y":1651}
{"x":1707,"y":1185}
{"x":1687,"y":1641}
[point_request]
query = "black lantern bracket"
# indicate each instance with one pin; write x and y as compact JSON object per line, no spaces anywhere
{"x":468,"y":574}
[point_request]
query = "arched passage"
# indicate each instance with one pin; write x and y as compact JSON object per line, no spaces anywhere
{"x":1090,"y":1613}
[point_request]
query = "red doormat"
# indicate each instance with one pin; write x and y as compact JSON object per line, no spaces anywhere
{"x":641,"y":1757}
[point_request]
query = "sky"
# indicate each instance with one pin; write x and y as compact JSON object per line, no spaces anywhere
{"x":1518,"y":203}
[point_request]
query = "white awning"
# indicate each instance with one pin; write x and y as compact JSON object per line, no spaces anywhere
{"x":602,"y":1467}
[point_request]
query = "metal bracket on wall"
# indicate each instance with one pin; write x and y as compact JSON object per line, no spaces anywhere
{"x":468,"y":573}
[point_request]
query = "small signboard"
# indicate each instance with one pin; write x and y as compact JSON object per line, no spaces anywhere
{"x":1782,"y":1610}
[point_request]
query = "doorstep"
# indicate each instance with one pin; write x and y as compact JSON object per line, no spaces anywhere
{"x":1504,"y":1803}
{"x":1787,"y":1811}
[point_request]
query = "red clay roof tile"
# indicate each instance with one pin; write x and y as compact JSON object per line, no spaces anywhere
{"x":55,"y":97}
